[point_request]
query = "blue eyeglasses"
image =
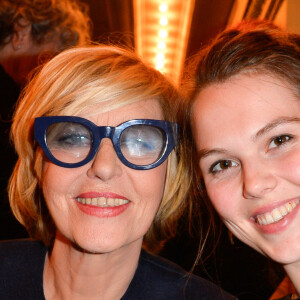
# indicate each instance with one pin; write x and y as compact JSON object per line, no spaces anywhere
{"x":72,"y":142}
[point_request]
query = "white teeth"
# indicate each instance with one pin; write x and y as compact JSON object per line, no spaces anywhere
{"x":102,"y":201}
{"x":110,"y":202}
{"x":289,"y":207}
{"x":276,"y":214}
{"x":283,"y":210}
{"x":269,"y":218}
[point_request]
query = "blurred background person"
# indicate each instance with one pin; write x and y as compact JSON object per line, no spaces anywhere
{"x":31,"y":32}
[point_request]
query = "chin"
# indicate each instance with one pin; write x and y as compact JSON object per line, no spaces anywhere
{"x":91,"y":249}
{"x":96,"y":245}
{"x":285,"y":257}
{"x":285,"y":253}
{"x":88,"y":242}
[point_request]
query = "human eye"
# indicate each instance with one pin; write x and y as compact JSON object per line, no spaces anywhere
{"x":141,"y":140}
{"x":279,"y":141}
{"x":222,"y":165}
{"x":69,"y":135}
{"x":74,"y":140}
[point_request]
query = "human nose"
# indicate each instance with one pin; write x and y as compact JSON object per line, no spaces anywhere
{"x":258,"y":180}
{"x":106,"y":163}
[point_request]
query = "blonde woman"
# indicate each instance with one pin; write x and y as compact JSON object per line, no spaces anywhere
{"x":97,"y":176}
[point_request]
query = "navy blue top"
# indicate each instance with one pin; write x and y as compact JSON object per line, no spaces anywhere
{"x":22,"y":264}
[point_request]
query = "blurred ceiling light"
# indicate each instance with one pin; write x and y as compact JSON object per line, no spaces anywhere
{"x":163,"y":7}
{"x":163,"y":21}
{"x":161,"y":33}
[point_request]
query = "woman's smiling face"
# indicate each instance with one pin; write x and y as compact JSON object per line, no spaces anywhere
{"x":129,"y":198}
{"x":247,"y":134}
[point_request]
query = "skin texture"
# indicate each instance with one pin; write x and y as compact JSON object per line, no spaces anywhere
{"x":247,"y":134}
{"x":110,"y":245}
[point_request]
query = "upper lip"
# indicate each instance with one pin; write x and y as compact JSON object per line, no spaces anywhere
{"x":93,"y":194}
{"x":270,"y":207}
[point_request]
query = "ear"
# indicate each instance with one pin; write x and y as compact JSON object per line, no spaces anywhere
{"x":22,"y":35}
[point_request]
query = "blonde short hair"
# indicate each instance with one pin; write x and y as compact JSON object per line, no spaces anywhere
{"x":69,"y":83}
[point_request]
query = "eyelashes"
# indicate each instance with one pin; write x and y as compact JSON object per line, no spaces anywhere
{"x":224,"y":165}
{"x":279,"y":141}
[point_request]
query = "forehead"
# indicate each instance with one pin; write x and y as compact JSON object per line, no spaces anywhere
{"x":244,"y":103}
{"x":145,"y":109}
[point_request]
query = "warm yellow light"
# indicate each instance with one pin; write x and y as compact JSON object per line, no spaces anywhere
{"x":163,"y":7}
{"x":160,"y":56}
{"x":163,"y":33}
{"x":161,"y":45}
{"x":159,"y":65}
{"x":163,"y":21}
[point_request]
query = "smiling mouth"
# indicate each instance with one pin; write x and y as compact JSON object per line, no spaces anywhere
{"x":276,"y":214}
{"x":102,"y":201}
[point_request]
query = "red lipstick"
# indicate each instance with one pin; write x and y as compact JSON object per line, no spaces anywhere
{"x":102,"y":205}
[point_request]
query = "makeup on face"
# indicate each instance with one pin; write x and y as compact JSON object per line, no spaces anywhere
{"x":103,"y":204}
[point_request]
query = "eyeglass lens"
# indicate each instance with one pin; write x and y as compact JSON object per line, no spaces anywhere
{"x":72,"y":143}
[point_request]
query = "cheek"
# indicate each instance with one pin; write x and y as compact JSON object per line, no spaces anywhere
{"x":56,"y":186}
{"x":154,"y":184}
{"x":160,"y":178}
{"x":290,"y":167}
{"x":149,"y":186}
{"x":225,"y":197}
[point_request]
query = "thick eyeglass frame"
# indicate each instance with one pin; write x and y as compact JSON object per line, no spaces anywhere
{"x":41,"y":125}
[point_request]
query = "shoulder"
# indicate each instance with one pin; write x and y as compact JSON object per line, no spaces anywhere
{"x":25,"y":255}
{"x":21,"y":267}
{"x":288,"y":297}
{"x":20,"y":250}
{"x":167,"y":280}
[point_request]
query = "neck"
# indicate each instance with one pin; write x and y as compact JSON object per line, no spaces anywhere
{"x":71,"y":273}
{"x":293,"y":271}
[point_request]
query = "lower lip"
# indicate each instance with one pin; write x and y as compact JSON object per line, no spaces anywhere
{"x":280,"y":225}
{"x":102,"y":212}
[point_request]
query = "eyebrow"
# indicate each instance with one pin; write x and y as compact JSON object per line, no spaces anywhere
{"x":274,"y":124}
{"x":202,"y":153}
